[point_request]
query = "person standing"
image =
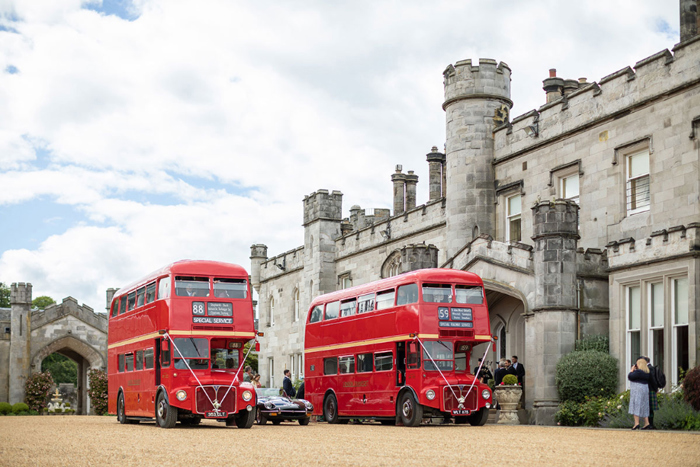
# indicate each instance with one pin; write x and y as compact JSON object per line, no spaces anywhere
{"x":500,"y":372}
{"x":484,"y":375}
{"x":519,"y":369}
{"x":248,"y":373}
{"x":657,"y":380}
{"x":639,"y":393}
{"x":287,"y":384}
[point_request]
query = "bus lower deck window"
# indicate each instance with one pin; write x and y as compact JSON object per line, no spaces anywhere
{"x":139,"y":359}
{"x":148,"y":359}
{"x":383,"y":361}
{"x":347,"y":364}
{"x":364,"y":362}
{"x":120,"y":364}
{"x":330,"y":366}
{"x":129,"y":362}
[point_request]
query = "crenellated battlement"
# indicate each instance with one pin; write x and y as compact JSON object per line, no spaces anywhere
{"x":21,"y":293}
{"x":284,"y":263}
{"x":614,"y":95}
{"x":677,"y":241}
{"x":489,"y":79}
{"x":323,"y":205}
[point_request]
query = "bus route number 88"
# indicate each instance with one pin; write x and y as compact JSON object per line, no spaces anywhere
{"x":198,"y":308}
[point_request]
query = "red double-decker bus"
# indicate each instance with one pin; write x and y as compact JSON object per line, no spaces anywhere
{"x":398,"y":349}
{"x":175,"y":346}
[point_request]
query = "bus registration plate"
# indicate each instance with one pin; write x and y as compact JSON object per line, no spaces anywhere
{"x":215,"y":414}
{"x":461,"y":412}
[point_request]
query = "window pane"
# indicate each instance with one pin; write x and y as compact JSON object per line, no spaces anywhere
{"x":347,"y":308}
{"x":514,"y":230}
{"x":657,"y":305}
{"x":460,"y":361}
{"x":115,"y":307}
{"x":150,"y":292}
{"x":514,"y":205}
{"x":569,"y":187}
{"x":186,"y":286}
{"x":148,"y":359}
{"x":385,"y":299}
{"x":682,"y":356}
{"x":140,"y":296}
{"x":332,"y":310}
{"x":635,"y":346}
{"x":364,"y":362}
{"x":634,"y":307}
{"x":638,"y":164}
{"x":121,"y":363}
{"x":164,"y":288}
{"x":230,"y":288}
{"x":131,"y":300}
{"x":347,"y":364}
{"x":441,"y":353}
{"x":129,"y":362}
{"x":122,"y":305}
{"x":191,"y":347}
{"x":437,"y":293}
{"x":407,"y":294}
{"x":224,"y":359}
{"x":657,"y":348}
{"x":638,"y":195}
{"x":330,"y":366}
{"x":383,"y":361}
{"x":139,"y":360}
{"x":316,"y":314}
{"x":469,"y":294}
{"x":366,"y":303}
{"x":680,"y":300}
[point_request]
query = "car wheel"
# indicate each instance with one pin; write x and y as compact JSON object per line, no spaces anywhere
{"x":245,"y":419}
{"x":330,"y":409}
{"x":166,"y":416}
{"x":479,"y":418}
{"x":410,"y":410}
{"x":304,"y":421}
{"x":260,"y":418}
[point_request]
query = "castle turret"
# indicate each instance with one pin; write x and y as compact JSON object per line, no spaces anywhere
{"x":399,"y":181}
{"x":322,"y":220}
{"x":472,"y":96}
{"x":258,"y":255}
{"x":109,"y":296}
{"x":20,"y":328}
{"x":689,"y":19}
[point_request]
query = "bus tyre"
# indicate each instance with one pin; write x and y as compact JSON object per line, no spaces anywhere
{"x":410,"y":410}
{"x":166,"y":416}
{"x":121,"y":412}
{"x":330,"y":409}
{"x":479,"y":418}
{"x":245,"y":418}
{"x":304,"y":421}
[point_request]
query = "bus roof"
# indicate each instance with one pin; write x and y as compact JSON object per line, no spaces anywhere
{"x":189,"y":267}
{"x":422,"y":275}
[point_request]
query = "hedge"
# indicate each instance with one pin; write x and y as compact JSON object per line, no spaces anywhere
{"x":586,"y":373}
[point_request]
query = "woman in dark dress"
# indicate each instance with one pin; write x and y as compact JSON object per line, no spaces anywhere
{"x":639,"y":393}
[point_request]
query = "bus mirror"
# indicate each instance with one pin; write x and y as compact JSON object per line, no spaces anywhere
{"x":257,"y":346}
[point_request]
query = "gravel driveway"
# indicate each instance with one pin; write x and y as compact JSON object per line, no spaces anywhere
{"x":82,"y":440}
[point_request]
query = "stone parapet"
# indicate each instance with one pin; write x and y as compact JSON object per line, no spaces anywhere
{"x":70,"y":306}
{"x":654,"y":77}
{"x":516,"y":256}
{"x":420,"y":256}
{"x":465,"y":81}
{"x":281,"y":264}
{"x":323,"y":205}
{"x":664,"y":244}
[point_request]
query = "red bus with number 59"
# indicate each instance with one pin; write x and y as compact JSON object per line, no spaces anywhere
{"x":398,"y":349}
{"x":176,"y":346}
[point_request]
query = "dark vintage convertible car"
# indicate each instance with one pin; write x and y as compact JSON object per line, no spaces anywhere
{"x":273,"y":405}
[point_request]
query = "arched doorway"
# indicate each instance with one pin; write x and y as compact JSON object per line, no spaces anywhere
{"x":84,"y":355}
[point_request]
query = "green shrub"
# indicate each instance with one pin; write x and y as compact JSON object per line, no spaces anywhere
{"x":37,"y":389}
{"x":510,"y":380}
{"x":589,"y":373}
{"x":98,"y":391}
{"x":19,"y":408}
{"x":33,"y":412}
{"x":676,"y":414}
{"x":591,"y":412}
{"x":691,"y":387}
{"x":570,"y":414}
{"x":5,"y":408}
{"x":599,"y":343}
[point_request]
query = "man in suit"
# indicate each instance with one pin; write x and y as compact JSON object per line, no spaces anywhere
{"x":519,"y":369}
{"x":287,"y":384}
{"x":500,"y":372}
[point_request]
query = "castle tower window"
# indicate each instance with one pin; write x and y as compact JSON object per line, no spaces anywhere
{"x":569,"y":188}
{"x":679,"y":305}
{"x":656,"y":323}
{"x":634,"y":322}
{"x":271,"y":321}
{"x":513,"y":218}
{"x":638,"y":195}
{"x":296,"y":304}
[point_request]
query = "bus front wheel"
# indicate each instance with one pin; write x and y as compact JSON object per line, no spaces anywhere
{"x":166,"y":416}
{"x":479,"y":418}
{"x":244,"y":419}
{"x":330,"y":409}
{"x":411,"y":411}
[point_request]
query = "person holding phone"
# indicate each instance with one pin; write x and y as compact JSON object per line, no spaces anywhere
{"x":639,"y":393}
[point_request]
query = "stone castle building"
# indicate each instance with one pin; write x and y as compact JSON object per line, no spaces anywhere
{"x":582,"y":217}
{"x":30,"y":335}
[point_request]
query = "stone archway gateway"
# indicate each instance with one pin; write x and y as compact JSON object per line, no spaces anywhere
{"x":72,"y":330}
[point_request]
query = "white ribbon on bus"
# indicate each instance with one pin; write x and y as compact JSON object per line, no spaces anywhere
{"x":214,"y":403}
{"x":458,"y":399}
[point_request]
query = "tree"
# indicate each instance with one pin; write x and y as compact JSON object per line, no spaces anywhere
{"x":4,"y":296}
{"x":42,"y":302}
{"x":63,"y":369}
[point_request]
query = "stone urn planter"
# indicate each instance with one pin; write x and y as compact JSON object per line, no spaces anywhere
{"x":508,"y":398}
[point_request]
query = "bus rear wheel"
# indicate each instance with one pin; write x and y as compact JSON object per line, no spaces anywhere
{"x":410,"y":410}
{"x":121,"y":413}
{"x":166,"y":416}
{"x":330,"y":409}
{"x":479,"y":418}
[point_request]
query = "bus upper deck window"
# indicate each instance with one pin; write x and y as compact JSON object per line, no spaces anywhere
{"x":385,"y":299}
{"x":437,"y":293}
{"x":150,"y":292}
{"x":407,"y":294}
{"x":316,"y":314}
{"x":164,"y":288}
{"x":131,"y":298}
{"x":469,"y":294}
{"x":140,"y":296}
{"x":365,"y":303}
{"x":230,"y":288}
{"x":188,"y":286}
{"x":332,"y":310}
{"x":348,"y":307}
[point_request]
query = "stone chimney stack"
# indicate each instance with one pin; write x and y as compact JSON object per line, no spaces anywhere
{"x":399,"y":181}
{"x":689,"y":19}
{"x":411,"y":182}
{"x":553,"y":86}
{"x":436,"y":165}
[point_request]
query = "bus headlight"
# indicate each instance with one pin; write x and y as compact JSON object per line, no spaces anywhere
{"x":430,"y":394}
{"x":181,"y":395}
{"x":485,"y":394}
{"x":247,"y":395}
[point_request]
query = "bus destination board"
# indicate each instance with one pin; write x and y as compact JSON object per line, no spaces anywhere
{"x":455,"y":317}
{"x":198,"y":308}
{"x":211,"y":320}
{"x":219,"y":309}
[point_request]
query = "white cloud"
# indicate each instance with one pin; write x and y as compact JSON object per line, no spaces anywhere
{"x":269,"y":101}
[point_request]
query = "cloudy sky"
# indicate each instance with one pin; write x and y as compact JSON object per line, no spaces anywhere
{"x":136,"y":133}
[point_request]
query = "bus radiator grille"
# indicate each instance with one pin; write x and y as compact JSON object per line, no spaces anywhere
{"x":213,"y":328}
{"x":452,"y":404}
{"x":456,"y":333}
{"x":227,"y":405}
